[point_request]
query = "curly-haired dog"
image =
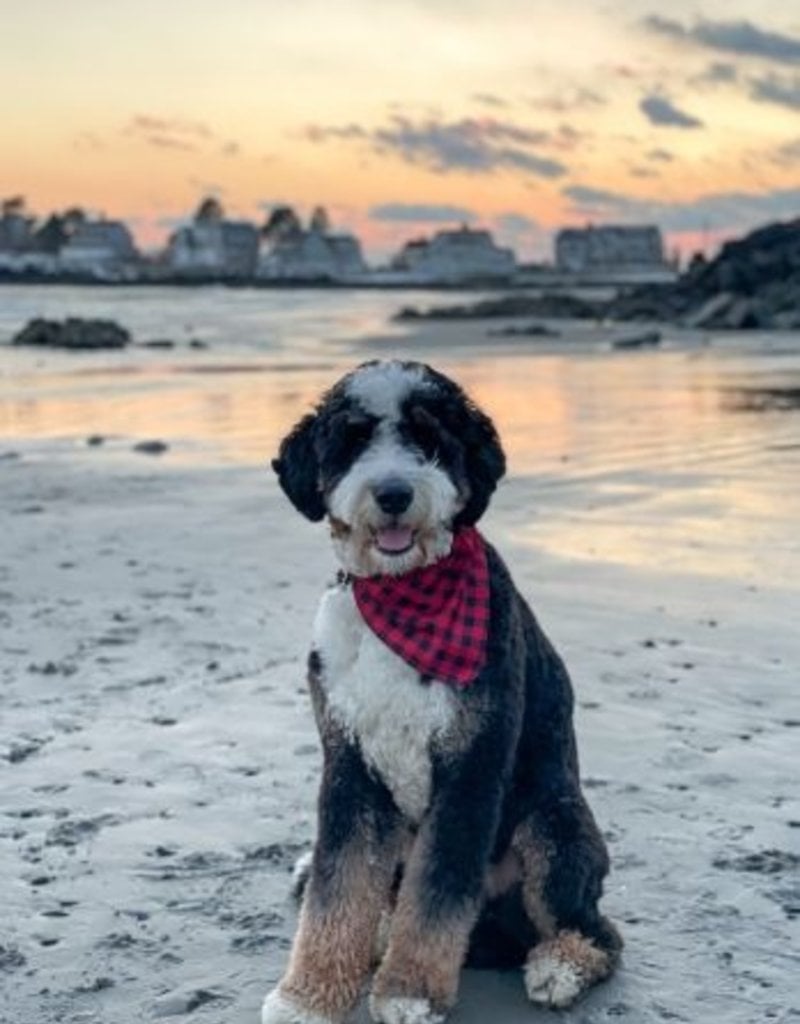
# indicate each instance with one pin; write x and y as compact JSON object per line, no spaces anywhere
{"x":450,"y":803}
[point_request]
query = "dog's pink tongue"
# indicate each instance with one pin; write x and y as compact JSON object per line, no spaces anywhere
{"x":395,"y":538}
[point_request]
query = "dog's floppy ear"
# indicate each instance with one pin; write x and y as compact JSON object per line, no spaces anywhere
{"x":298,"y":468}
{"x":484,"y":460}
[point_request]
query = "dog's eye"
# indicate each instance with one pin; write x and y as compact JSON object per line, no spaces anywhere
{"x":358,"y":431}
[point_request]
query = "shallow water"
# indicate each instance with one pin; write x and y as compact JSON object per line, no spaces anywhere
{"x":696,"y":439}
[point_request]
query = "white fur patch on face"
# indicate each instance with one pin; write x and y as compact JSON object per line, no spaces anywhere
{"x":551,"y":980}
{"x":279,"y":1009}
{"x":379,"y":700}
{"x":403,"y":1010}
{"x":382,"y":388}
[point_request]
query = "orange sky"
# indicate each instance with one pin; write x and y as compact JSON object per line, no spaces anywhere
{"x":405,"y":116}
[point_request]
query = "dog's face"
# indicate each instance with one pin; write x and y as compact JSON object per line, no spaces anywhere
{"x":396,"y":456}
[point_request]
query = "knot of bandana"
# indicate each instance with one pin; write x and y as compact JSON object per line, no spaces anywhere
{"x":435,"y":618}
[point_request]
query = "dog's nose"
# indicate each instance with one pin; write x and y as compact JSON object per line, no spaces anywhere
{"x":393,"y":495}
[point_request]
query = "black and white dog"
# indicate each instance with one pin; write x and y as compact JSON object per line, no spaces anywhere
{"x":451,"y":824}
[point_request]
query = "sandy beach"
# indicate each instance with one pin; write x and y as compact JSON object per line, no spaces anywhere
{"x":158,"y":759}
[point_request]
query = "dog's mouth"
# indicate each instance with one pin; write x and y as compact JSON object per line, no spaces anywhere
{"x":394,"y":540}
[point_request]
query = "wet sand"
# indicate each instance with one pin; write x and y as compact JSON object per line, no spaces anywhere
{"x":158,"y":761}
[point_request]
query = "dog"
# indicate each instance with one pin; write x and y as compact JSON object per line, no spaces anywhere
{"x":452,"y":828}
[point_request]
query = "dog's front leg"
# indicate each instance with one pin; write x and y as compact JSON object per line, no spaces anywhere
{"x":440,"y":896}
{"x":355,"y":858}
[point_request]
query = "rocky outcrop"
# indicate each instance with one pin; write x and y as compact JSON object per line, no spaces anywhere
{"x":753,"y":282}
{"x":72,"y":333}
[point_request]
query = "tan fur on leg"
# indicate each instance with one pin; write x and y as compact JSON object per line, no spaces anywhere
{"x":333,"y":948}
{"x":424,"y":960}
{"x":534,"y":855}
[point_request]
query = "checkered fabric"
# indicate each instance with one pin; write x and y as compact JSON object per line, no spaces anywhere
{"x":436,"y":618}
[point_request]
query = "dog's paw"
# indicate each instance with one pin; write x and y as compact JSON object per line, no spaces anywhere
{"x":403,"y":1010}
{"x":551,"y":981}
{"x":280,"y":1009}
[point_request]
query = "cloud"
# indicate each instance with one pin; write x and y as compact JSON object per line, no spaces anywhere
{"x":719,"y":210}
{"x":788,"y":153}
{"x":88,"y":142}
{"x":775,"y":89}
{"x":324,"y":133}
{"x":174,"y":133}
{"x":433,"y":212}
{"x":739,"y":37}
{"x":660,"y":156}
{"x":488,"y":99}
{"x":661,"y":111}
{"x":472,"y":145}
{"x":231,"y":149}
{"x":516,"y":223}
{"x":717,"y":73}
{"x":568,"y":100}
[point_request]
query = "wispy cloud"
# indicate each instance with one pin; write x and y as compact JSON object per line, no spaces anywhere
{"x":788,"y":153}
{"x":568,"y":100}
{"x":422,"y":212}
{"x":739,"y":37}
{"x":660,"y":156}
{"x":719,"y":210}
{"x":177,"y":133}
{"x":489,"y":99}
{"x":661,"y":111}
{"x":717,"y":73}
{"x":472,"y":145}
{"x":776,"y":89}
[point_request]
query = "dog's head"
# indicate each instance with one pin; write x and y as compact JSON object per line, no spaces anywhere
{"x":396,"y":456}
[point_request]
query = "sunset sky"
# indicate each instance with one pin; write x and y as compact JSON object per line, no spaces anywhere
{"x":403,"y":116}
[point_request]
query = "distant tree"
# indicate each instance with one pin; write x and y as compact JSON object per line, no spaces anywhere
{"x":74,"y":217}
{"x":697,"y":264}
{"x":13,"y":206}
{"x":282,"y":222}
{"x":52,"y":235}
{"x":210,"y":211}
{"x":320,"y":221}
{"x":58,"y":228}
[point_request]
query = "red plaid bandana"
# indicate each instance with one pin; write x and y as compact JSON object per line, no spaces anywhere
{"x":436,"y":618}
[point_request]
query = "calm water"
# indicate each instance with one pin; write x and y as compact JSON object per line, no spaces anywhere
{"x":642,"y":448}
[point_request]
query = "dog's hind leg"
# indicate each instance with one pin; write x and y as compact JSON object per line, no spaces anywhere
{"x":563,"y":870}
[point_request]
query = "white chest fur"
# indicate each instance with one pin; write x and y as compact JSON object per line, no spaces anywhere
{"x":379,"y":700}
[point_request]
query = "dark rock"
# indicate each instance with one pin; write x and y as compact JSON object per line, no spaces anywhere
{"x":650,"y":339}
{"x":95,"y":440}
{"x":526,"y":331}
{"x":73,"y":333}
{"x":196,"y":343}
{"x":158,"y":343}
{"x":151,"y":447}
{"x":551,"y":305}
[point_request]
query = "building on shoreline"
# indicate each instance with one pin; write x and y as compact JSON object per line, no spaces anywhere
{"x":212,"y":246}
{"x":609,"y":248}
{"x":289,"y":252}
{"x":455,"y":257}
{"x":102,"y":249}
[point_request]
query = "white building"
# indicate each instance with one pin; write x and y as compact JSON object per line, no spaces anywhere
{"x":101,"y":248}
{"x":455,"y":256}
{"x":611,"y":248}
{"x":224,"y":249}
{"x":295,"y":254}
